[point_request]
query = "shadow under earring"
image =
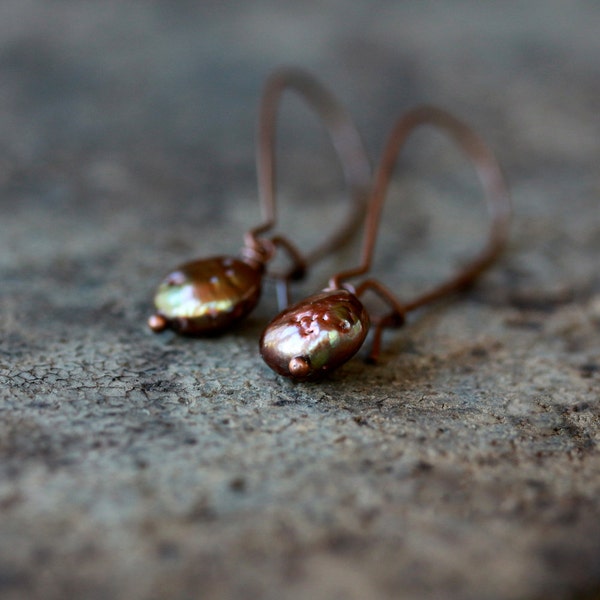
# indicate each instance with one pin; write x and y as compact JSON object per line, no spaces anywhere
{"x":210,"y":295}
{"x":322,"y":332}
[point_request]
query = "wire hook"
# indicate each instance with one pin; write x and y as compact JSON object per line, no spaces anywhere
{"x":209,"y":295}
{"x":322,"y":332}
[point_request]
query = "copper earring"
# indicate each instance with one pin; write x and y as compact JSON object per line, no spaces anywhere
{"x":209,"y":295}
{"x":322,"y":332}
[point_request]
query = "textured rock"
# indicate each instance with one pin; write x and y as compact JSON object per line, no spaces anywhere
{"x":464,"y":465}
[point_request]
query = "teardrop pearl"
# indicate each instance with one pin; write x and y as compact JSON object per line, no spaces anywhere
{"x":206,"y":296}
{"x":316,"y":335}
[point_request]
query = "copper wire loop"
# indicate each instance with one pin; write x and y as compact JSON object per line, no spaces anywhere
{"x":496,"y":195}
{"x":349,"y":148}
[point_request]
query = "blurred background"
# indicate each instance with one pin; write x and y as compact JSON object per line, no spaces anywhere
{"x":122,"y":115}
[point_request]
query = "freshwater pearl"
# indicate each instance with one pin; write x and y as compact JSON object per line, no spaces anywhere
{"x":316,"y":335}
{"x":206,"y":296}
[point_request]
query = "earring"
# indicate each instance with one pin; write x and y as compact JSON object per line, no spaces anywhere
{"x":322,"y":332}
{"x":209,"y":295}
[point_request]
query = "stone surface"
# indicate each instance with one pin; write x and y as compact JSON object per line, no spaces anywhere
{"x":464,"y":465}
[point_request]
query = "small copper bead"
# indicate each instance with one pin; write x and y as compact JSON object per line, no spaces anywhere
{"x":315,"y":336}
{"x":206,"y":296}
{"x":299,"y":367}
{"x":157,"y":323}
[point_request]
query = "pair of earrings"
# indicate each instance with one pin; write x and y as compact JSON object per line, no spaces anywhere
{"x":322,"y":332}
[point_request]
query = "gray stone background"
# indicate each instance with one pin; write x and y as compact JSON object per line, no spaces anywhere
{"x":464,"y":465}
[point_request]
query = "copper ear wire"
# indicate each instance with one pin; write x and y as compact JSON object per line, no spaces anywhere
{"x":350,"y":150}
{"x":209,"y":295}
{"x":497,"y":200}
{"x":322,"y":332}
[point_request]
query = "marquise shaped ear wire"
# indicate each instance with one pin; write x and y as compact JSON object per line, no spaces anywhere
{"x":322,"y":332}
{"x":210,"y":295}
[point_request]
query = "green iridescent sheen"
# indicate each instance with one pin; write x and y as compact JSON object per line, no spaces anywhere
{"x":208,"y":295}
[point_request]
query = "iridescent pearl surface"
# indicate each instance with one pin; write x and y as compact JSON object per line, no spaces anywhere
{"x":316,"y":335}
{"x":206,"y":296}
